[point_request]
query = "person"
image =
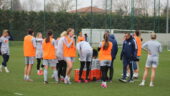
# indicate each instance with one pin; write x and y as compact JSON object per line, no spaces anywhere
{"x":113,"y":53}
{"x":69,"y":53}
{"x":61,"y":66}
{"x":139,"y":49}
{"x":85,"y":52}
{"x":49,"y":56}
{"x":39,"y":53}
{"x":105,"y":58}
{"x":29,"y":53}
{"x":80,"y":37}
{"x":4,"y":40}
{"x":153,"y":47}
{"x":86,"y":37}
{"x":128,"y":55}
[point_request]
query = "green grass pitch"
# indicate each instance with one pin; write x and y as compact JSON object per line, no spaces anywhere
{"x":12,"y":84}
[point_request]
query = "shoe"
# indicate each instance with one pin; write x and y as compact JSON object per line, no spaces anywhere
{"x":131,"y":81}
{"x":142,"y":84}
{"x":65,"y":80}
{"x":103,"y":85}
{"x":45,"y":82}
{"x":6,"y":70}
{"x":86,"y":81}
{"x":135,"y":76}
{"x":79,"y":81}
{"x":41,"y":72}
{"x":123,"y":80}
{"x":151,"y":85}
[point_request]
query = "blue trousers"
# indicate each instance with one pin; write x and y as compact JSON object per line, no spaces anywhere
{"x":126,"y":63}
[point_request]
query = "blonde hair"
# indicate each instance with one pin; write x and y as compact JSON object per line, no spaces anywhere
{"x":38,"y":34}
{"x":64,"y":33}
{"x":5,"y":31}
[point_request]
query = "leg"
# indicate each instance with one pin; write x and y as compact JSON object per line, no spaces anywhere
{"x":153,"y":74}
{"x":131,"y":70}
{"x":55,"y":73}
{"x":81,"y":69}
{"x":59,"y":68}
{"x":45,"y":73}
{"x":5,"y":59}
{"x":104,"y":74}
{"x":38,"y":63}
{"x":88,"y":69}
{"x":29,"y":69}
{"x":64,"y":68}
{"x":111,"y":70}
{"x":69,"y":68}
{"x":125,"y":64}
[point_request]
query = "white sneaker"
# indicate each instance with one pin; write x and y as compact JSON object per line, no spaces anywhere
{"x":151,"y":85}
{"x":135,"y":75}
{"x":65,"y":80}
{"x":6,"y":70}
{"x":142,"y":84}
{"x":0,"y":68}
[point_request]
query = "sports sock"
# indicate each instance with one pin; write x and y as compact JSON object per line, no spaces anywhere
{"x":55,"y":72}
{"x":45,"y":74}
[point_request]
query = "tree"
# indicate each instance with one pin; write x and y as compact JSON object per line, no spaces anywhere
{"x":5,"y":4}
{"x":59,"y":5}
{"x":16,"y":5}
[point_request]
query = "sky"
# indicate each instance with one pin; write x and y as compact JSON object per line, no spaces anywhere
{"x":81,"y":3}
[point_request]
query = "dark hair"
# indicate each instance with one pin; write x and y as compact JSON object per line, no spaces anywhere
{"x":85,"y":35}
{"x":30,"y":31}
{"x":137,"y":33}
{"x":106,"y":41}
{"x":48,"y":36}
{"x":69,"y":30}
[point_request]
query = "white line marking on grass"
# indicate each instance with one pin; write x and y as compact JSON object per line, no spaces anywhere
{"x":19,"y":94}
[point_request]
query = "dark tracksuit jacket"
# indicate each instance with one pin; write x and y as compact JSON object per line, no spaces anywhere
{"x":128,"y":55}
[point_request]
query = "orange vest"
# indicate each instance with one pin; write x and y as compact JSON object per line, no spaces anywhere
{"x":139,"y":45}
{"x":80,"y":38}
{"x":71,"y":51}
{"x":48,"y":50}
{"x":29,"y":49}
{"x":105,"y":54}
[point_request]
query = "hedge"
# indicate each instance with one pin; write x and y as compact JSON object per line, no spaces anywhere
{"x":19,"y":21}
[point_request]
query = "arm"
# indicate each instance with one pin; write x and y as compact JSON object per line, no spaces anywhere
{"x":121,"y":55}
{"x":34,"y":42}
{"x":78,"y":48}
{"x":145,"y":48}
{"x":100,"y":45}
{"x":68,"y":44}
{"x":160,"y":48}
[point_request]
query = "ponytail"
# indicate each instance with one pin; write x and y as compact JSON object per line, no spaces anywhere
{"x":48,"y":36}
{"x":106,"y":41}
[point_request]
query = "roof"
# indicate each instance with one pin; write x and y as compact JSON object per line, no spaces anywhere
{"x":88,"y":10}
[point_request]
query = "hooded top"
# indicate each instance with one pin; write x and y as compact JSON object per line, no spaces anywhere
{"x":114,"y":47}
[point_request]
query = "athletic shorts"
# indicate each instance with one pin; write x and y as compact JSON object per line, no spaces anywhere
{"x":29,"y":60}
{"x":152,"y":61}
{"x":39,"y":54}
{"x":51,"y":63}
{"x":86,"y":56}
{"x":71,"y":59}
{"x":105,"y":63}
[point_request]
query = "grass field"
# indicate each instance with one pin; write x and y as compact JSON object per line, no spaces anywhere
{"x":12,"y":84}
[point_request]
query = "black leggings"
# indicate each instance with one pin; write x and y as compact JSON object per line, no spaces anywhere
{"x":5,"y":59}
{"x":87,"y":69}
{"x":104,"y":70}
{"x":61,"y":67}
{"x":39,"y":63}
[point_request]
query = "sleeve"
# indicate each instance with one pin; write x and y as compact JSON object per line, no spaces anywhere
{"x":68,"y":44}
{"x":78,"y":47}
{"x":160,"y":48}
{"x":145,"y":45}
{"x":134,"y":50}
{"x":60,"y":48}
{"x":122,"y":53}
{"x":100,"y":45}
{"x":34,"y":42}
{"x":116,"y":48}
